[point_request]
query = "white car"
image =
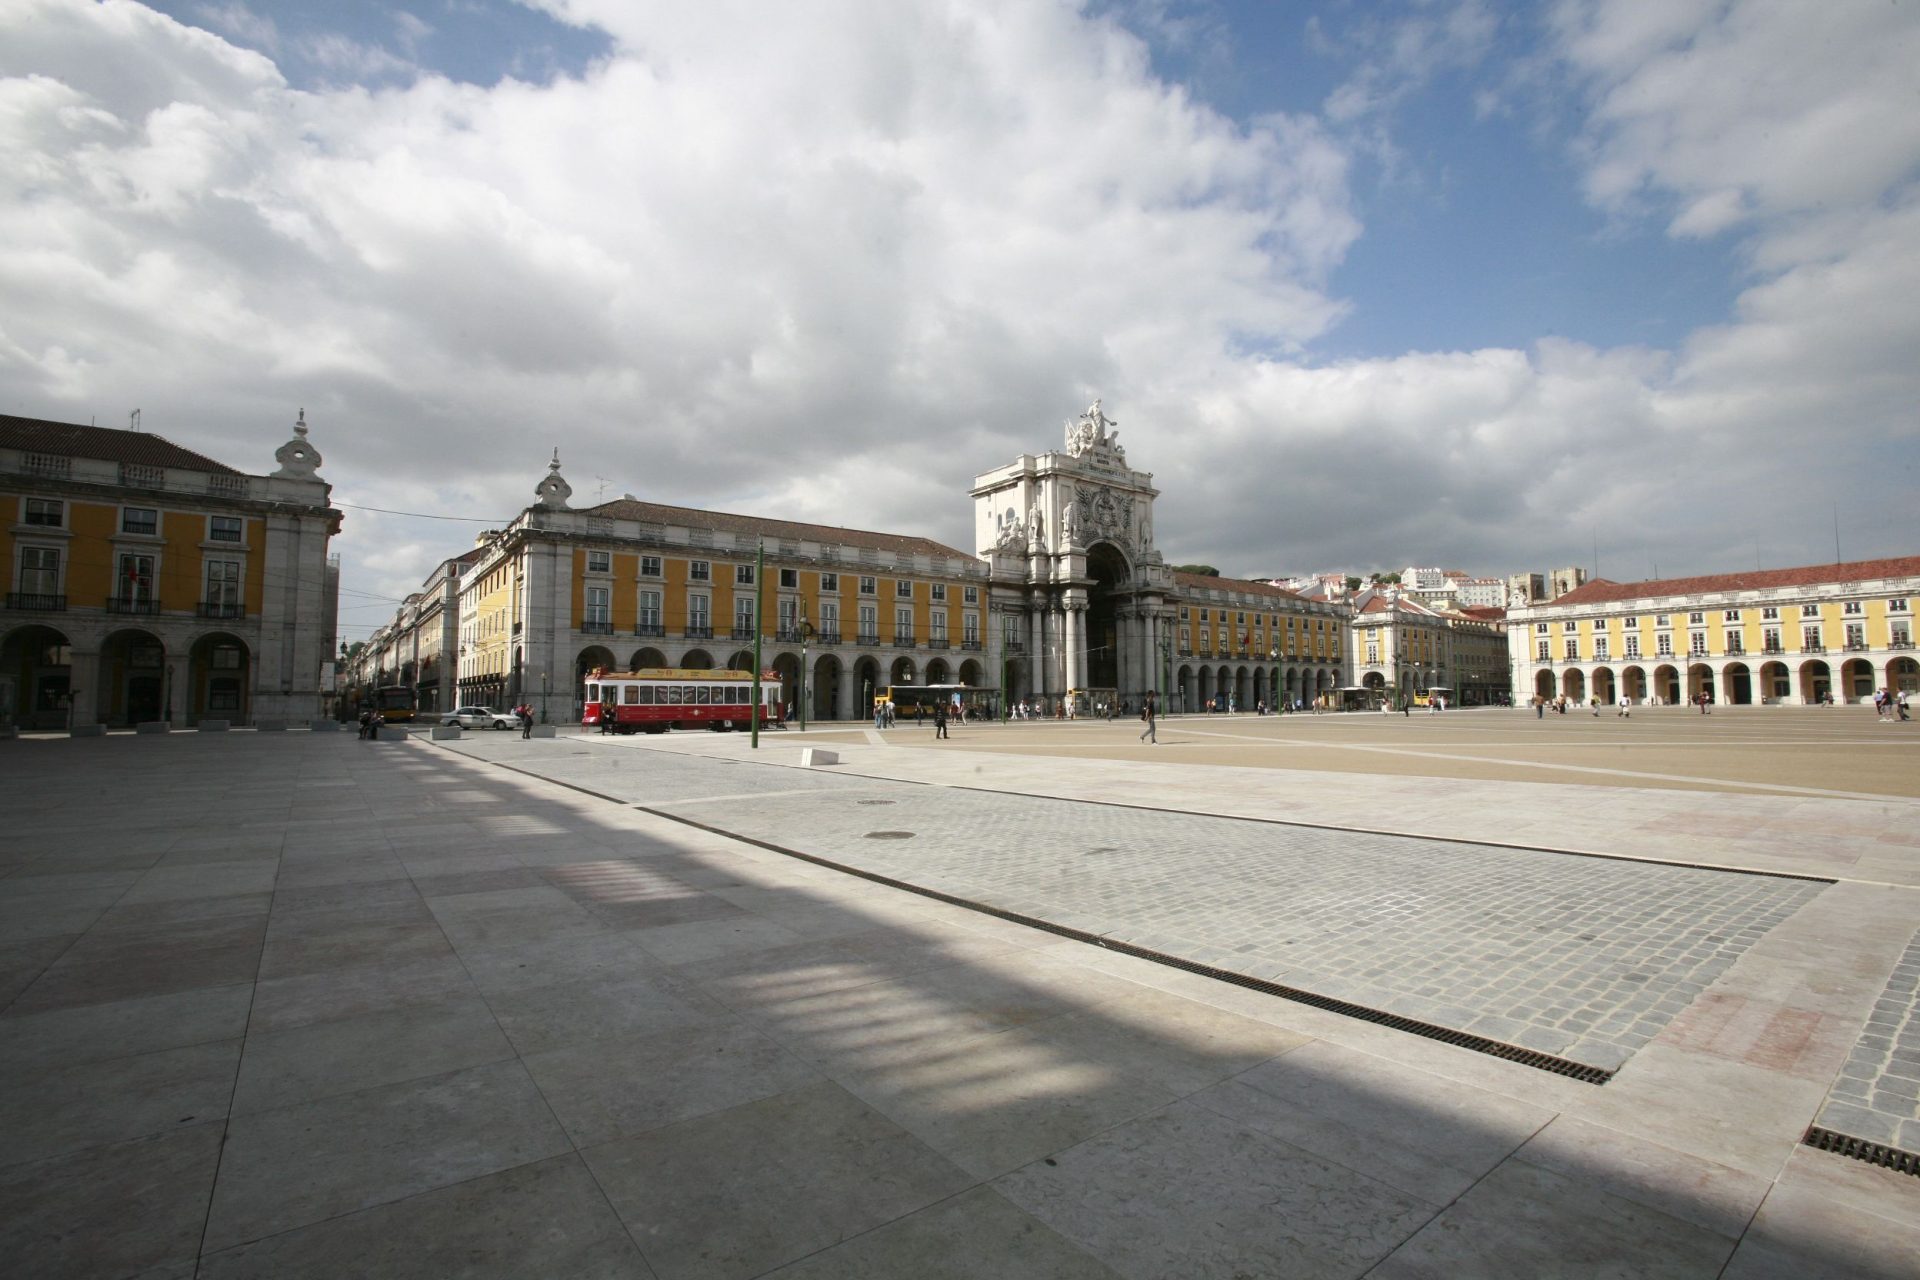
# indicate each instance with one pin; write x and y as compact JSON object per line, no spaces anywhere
{"x":480,"y":718}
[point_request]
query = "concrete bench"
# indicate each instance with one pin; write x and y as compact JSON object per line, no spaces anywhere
{"x":814,"y":757}
{"x":154,"y":726}
{"x":215,"y":726}
{"x":544,"y":731}
{"x":445,"y":732}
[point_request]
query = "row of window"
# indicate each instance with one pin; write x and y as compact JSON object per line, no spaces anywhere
{"x":134,"y":578}
{"x":599,"y":615}
{"x":51,"y":513}
{"x":1770,"y":613}
{"x":1240,"y":619}
{"x":1812,"y":640}
{"x":702,"y":571}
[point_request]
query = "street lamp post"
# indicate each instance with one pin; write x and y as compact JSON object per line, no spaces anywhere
{"x":806,"y":634}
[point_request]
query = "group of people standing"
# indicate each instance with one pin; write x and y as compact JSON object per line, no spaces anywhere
{"x":1888,"y":705}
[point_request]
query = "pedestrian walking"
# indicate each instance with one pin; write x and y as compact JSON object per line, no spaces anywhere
{"x":1539,"y":707}
{"x":1148,"y":711}
{"x":1902,"y":704}
{"x":526,"y":721}
{"x":366,"y":723}
{"x":939,"y":720}
{"x":1624,"y":704}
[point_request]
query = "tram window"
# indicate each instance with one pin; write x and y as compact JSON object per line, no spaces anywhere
{"x":702,"y":696}
{"x":671,"y":695}
{"x":643,"y":696}
{"x":593,"y":693}
{"x":633,"y":695}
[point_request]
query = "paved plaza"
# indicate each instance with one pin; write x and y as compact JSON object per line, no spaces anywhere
{"x":297,"y":1005}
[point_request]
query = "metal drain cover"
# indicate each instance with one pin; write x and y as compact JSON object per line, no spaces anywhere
{"x":889,"y":835}
{"x":873,"y":802}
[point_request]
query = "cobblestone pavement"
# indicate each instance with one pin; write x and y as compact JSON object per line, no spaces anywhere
{"x":1877,"y":1097}
{"x":1584,"y":958}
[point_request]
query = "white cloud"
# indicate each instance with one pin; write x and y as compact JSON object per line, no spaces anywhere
{"x":834,"y":260}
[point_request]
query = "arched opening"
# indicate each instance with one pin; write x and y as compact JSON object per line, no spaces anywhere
{"x":902,"y":671}
{"x":1543,"y":685}
{"x":644,"y":659}
{"x":1666,"y":685}
{"x":133,"y":678}
{"x":787,"y":667}
{"x":1574,"y":685}
{"x":1737,"y":680}
{"x":1603,"y":685}
{"x":1633,"y":683}
{"x":1776,"y":682}
{"x":1903,"y":675}
{"x":1111,"y":574}
{"x":1816,"y":683}
{"x":970,"y":674}
{"x":593,"y":657}
{"x":937,"y":672}
{"x":1700,"y":681}
{"x":741,"y":660}
{"x":219,"y":679}
{"x":824,"y":696}
{"x":36,"y":678}
{"x":696,"y":660}
{"x":1856,"y":680}
{"x":866,"y":678}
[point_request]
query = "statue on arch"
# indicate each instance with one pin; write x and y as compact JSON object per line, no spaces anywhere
{"x":1036,"y":526}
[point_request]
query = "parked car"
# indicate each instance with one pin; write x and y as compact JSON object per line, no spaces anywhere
{"x":479,"y":718}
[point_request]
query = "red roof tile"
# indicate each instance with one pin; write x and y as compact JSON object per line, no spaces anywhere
{"x":70,"y":440}
{"x":1605,"y":591}
{"x":1206,"y":582}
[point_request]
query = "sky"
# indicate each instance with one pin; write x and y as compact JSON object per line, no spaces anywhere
{"x":1625,"y":284}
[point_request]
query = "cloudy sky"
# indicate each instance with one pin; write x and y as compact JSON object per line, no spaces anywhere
{"x":1490,"y":286}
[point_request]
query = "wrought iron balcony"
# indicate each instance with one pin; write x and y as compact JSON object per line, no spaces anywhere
{"x":222,"y":609}
{"x":36,"y":600}
{"x":868,"y":637}
{"x":697,"y":633}
{"x":1813,"y":648}
{"x":970,"y":646}
{"x":903,"y":639}
{"x":651,"y":630}
{"x":1772,"y":648}
{"x":937,"y":642}
{"x":1015,"y":646}
{"x":826,"y":637}
{"x":596,"y":627}
{"x":1856,"y":646}
{"x":743,"y":634}
{"x":1899,"y":643}
{"x":132,"y":604}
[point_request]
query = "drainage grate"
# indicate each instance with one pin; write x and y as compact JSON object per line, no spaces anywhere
{"x":875,"y":802}
{"x":889,"y":835}
{"x":1840,"y":1144}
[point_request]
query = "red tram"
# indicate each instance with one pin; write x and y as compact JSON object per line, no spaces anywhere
{"x":656,"y":699}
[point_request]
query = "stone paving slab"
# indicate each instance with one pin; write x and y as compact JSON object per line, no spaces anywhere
{"x":739,"y":1064}
{"x":1583,"y":958}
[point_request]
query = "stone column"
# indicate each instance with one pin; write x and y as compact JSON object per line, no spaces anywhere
{"x":1037,"y":649}
{"x":85,"y":669}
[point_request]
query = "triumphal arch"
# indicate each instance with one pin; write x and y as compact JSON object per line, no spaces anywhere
{"x":1081,"y":601}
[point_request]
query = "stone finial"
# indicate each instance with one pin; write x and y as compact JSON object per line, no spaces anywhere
{"x":298,"y":459}
{"x":554,"y":491}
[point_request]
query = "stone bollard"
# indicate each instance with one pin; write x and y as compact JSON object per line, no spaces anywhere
{"x":814,"y":757}
{"x":154,"y":726}
{"x":215,"y":726}
{"x":446,"y":732}
{"x":544,"y":731}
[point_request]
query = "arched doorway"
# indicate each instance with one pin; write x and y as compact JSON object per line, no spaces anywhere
{"x":1904,"y":674}
{"x":219,"y":680}
{"x":1543,"y":685}
{"x":1700,"y":681}
{"x":1815,"y":682}
{"x":133,"y":678}
{"x":824,"y":696}
{"x":1633,"y":682}
{"x":742,"y":660}
{"x":937,"y":672}
{"x":1776,"y":683}
{"x":1184,"y":692}
{"x":645,"y":658}
{"x":902,"y":671}
{"x":1574,"y":685}
{"x":970,"y":674}
{"x":36,"y":678}
{"x":787,"y":667}
{"x":1666,"y":685}
{"x":1603,"y":686}
{"x":1739,"y":684}
{"x":696,"y":660}
{"x":1856,"y":680}
{"x":866,"y":681}
{"x":593,"y":657}
{"x":1111,"y":575}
